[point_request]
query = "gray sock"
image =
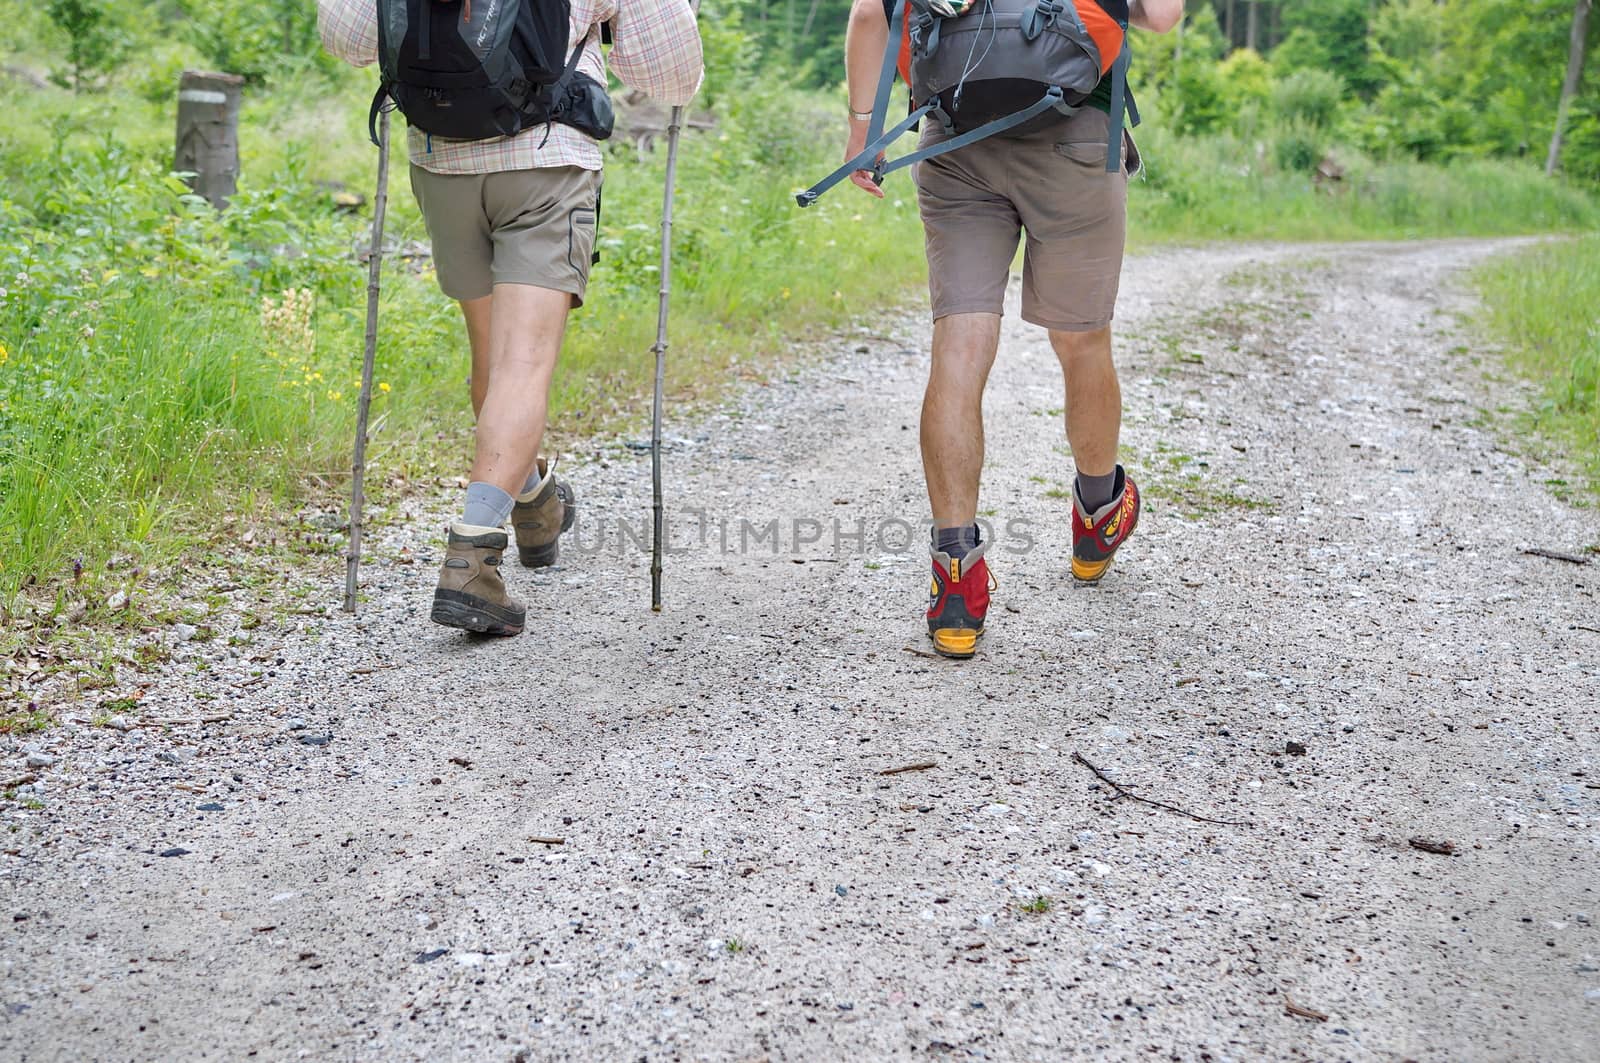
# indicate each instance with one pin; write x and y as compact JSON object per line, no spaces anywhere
{"x":1096,"y":491}
{"x":957,"y":542}
{"x":487,"y":505}
{"x":532,"y":482}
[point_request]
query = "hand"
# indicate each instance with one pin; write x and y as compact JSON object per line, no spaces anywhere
{"x":862,"y":179}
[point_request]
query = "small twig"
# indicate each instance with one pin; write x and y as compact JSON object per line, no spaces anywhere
{"x":922,"y":653}
{"x":1585,"y":627}
{"x":1123,"y":791}
{"x":185,"y":721}
{"x":369,"y":670}
{"x":1291,"y":1008}
{"x":548,"y":841}
{"x":252,"y":681}
{"x":1438,"y":848}
{"x":20,"y":780}
{"x":919,"y":766}
{"x":1557,"y":555}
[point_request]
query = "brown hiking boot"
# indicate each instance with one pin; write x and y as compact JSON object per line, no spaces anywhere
{"x":471,"y":594}
{"x":540,"y":517}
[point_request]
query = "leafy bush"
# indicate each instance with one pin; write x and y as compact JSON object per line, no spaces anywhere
{"x":1310,"y":97}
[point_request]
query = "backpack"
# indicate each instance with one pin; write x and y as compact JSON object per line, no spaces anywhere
{"x":984,"y":68}
{"x":476,"y":69}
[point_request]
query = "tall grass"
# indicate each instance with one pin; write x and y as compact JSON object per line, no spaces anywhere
{"x":1544,"y":304}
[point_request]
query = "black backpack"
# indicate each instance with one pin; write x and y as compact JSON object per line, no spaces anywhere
{"x":476,"y":69}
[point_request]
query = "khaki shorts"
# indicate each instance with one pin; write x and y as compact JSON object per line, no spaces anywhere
{"x":513,"y":227}
{"x":977,"y":201}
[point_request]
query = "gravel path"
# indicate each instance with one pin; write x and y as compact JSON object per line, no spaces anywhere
{"x":1325,"y":631}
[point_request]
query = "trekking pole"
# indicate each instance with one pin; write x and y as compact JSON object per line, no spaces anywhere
{"x":673,"y":125}
{"x":364,"y":404}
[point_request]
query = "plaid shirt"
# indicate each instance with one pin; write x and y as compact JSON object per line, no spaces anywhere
{"x":656,"y":51}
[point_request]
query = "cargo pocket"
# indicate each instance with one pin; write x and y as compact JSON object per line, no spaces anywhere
{"x":580,"y":240}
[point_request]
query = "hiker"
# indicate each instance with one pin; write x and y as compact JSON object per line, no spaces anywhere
{"x":1055,"y":179}
{"x":512,"y":219}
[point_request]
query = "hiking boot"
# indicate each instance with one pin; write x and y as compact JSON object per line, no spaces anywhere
{"x":1096,"y":536}
{"x":471,"y":594}
{"x":540,"y":516}
{"x":958,"y":601}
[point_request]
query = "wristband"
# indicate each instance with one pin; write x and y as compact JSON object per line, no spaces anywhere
{"x":860,"y":116}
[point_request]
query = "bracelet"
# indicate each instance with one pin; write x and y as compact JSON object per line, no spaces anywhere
{"x":861,"y":116}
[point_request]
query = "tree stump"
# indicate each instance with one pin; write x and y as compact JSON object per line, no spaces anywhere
{"x":208,"y":134}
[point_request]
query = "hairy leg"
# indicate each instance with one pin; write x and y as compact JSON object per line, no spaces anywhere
{"x":964,"y":347}
{"x":525,"y":330}
{"x":1094,"y":399}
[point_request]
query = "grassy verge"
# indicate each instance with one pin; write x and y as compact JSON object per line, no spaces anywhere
{"x":1541,"y":304}
{"x":1224,"y":188}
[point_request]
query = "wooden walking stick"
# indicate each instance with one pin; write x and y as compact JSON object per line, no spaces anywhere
{"x":673,"y":126}
{"x":358,"y":467}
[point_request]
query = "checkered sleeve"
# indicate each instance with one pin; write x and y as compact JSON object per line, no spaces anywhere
{"x":349,"y":29}
{"x":657,"y":49}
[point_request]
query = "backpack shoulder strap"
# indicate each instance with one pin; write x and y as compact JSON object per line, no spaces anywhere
{"x":877,"y":140}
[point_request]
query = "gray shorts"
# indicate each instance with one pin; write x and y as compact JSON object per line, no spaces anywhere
{"x":532,"y":227}
{"x":977,"y":201}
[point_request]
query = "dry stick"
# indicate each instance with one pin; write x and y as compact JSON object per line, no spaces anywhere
{"x":1557,"y":555}
{"x":1123,"y":791}
{"x":674,"y":125}
{"x":359,"y":465}
{"x":20,"y":780}
{"x":548,"y":841}
{"x":1290,"y":1007}
{"x":922,"y":766}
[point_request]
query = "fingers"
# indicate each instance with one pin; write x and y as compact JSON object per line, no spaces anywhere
{"x":862,"y":179}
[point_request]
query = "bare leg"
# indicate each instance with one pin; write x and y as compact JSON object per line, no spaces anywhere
{"x":1094,"y":399}
{"x":964,"y":347}
{"x":525,"y":329}
{"x":476,"y":312}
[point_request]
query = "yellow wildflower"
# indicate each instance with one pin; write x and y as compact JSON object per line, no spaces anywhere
{"x":383,"y":386}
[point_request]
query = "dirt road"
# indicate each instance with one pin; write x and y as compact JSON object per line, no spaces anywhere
{"x":1326,"y":632}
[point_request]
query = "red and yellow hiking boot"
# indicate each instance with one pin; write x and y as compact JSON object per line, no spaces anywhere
{"x":1096,"y":536}
{"x":958,"y":601}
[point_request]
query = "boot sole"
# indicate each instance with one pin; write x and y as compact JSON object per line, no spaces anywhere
{"x":539,"y":556}
{"x":469,"y":613}
{"x":961,"y":650}
{"x":1089,"y":571}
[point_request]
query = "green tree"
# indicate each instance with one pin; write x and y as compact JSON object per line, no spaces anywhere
{"x":94,"y":42}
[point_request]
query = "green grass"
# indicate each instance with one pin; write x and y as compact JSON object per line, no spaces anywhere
{"x":152,"y":386}
{"x":1544,"y":306}
{"x":1223,"y":188}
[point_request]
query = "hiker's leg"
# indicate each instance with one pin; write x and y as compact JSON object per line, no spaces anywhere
{"x":964,"y":347}
{"x":1093,"y":399}
{"x":476,"y":313}
{"x":525,"y":330}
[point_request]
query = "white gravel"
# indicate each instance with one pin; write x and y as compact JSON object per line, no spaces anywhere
{"x":1332,"y":555}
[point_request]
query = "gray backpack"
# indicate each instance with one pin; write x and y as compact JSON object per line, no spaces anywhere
{"x":994,"y":68}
